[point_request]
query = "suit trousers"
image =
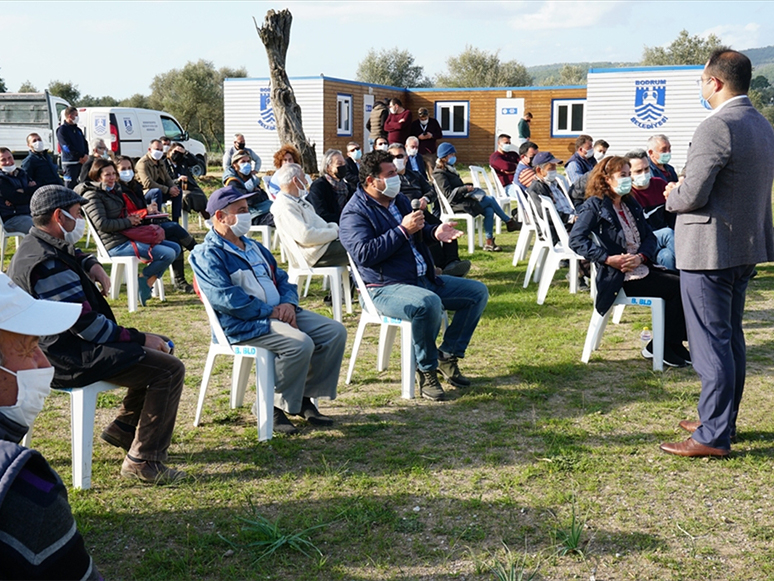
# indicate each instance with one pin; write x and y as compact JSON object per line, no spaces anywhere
{"x":307,"y":360}
{"x":713,"y":301}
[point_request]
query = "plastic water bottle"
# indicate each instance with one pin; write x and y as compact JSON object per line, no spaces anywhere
{"x":645,"y":336}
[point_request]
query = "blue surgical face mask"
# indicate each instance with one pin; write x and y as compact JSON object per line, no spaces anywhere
{"x":624,"y":186}
{"x":357,"y":154}
{"x":705,"y":102}
{"x":452,"y":160}
{"x":550,"y":175}
{"x":663,"y":158}
{"x":126,"y":175}
{"x":245,"y":168}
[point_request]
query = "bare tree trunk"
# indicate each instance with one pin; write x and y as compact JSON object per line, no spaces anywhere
{"x":275,"y":35}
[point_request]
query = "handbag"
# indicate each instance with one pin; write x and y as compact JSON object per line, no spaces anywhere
{"x":150,"y":234}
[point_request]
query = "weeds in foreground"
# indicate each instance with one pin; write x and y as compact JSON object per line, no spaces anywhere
{"x":269,"y":538}
{"x":511,"y":569}
{"x":568,"y":539}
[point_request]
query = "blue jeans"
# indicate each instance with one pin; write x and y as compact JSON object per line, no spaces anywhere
{"x":423,"y":305}
{"x":491,"y":207}
{"x":18,"y":223}
{"x":666,"y":248}
{"x":163,"y":255}
{"x":155,"y":195}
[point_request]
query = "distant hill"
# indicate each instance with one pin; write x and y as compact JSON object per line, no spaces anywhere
{"x":762,"y":60}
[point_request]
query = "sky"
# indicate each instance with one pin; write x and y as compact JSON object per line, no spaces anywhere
{"x":116,"y":48}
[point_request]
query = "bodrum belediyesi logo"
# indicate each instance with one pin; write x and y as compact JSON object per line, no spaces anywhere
{"x":649,"y":103}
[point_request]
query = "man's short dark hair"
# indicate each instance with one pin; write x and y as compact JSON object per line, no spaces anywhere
{"x":45,"y":219}
{"x":637,"y":154}
{"x":731,"y":67}
{"x":164,"y":138}
{"x":396,"y":101}
{"x":4,"y":150}
{"x":526,"y":146}
{"x":582,"y":140}
{"x":154,"y":141}
{"x":502,"y":136}
{"x":70,"y":110}
{"x":371,"y":164}
{"x":603,"y":143}
{"x":528,"y":115}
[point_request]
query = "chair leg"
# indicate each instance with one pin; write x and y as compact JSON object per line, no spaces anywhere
{"x":132,"y":286}
{"x":83,"y":402}
{"x":116,"y":279}
{"x":657,"y":317}
{"x":573,"y":276}
{"x":203,"y":389}
{"x":264,"y":377}
{"x":347,"y":291}
{"x":547,"y":275}
{"x":336,"y":295}
{"x":471,"y":235}
{"x":27,"y":440}
{"x":594,"y":334}
{"x":618,"y":313}
{"x":355,"y":347}
{"x":532,"y":265}
{"x":386,"y":340}
{"x":239,"y":376}
{"x":308,"y":282}
{"x":407,"y":363}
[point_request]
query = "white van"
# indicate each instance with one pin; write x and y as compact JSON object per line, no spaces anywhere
{"x":129,"y":131}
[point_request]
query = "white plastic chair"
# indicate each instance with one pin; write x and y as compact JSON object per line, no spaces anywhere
{"x":564,"y":186}
{"x":480,"y":179}
{"x":4,"y":236}
{"x":555,"y":252}
{"x":123,"y":269}
{"x":388,"y":328}
{"x":269,"y":238}
{"x":243,"y":355}
{"x":448,"y":215}
{"x":339,"y":275}
{"x":83,"y":407}
{"x":528,"y":230}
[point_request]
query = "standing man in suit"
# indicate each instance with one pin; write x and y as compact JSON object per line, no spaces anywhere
{"x":724,"y":227}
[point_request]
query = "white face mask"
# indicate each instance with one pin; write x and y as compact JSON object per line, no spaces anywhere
{"x":242,"y":225}
{"x":76,"y":233}
{"x":589,"y":153}
{"x":550,"y":175}
{"x":642,"y":181}
{"x":382,"y":147}
{"x":412,"y":151}
{"x":301,"y":188}
{"x":33,"y":387}
{"x":126,"y":175}
{"x":9,"y":168}
{"x":598,"y":155}
{"x":509,"y":147}
{"x":400,"y":164}
{"x":165,"y":148}
{"x":38,"y":146}
{"x":156,"y":154}
{"x":391,"y":186}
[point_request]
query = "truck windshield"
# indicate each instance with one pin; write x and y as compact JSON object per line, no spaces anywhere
{"x":24,"y":112}
{"x":172,"y":129}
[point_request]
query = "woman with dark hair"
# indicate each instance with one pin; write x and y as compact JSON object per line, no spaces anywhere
{"x":108,"y":214}
{"x":625,"y":253}
{"x":136,"y":204}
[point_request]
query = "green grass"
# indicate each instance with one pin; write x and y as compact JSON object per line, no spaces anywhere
{"x":420,"y":490}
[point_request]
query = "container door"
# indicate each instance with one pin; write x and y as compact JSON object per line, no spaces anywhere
{"x":509,"y":113}
{"x":368,"y":105}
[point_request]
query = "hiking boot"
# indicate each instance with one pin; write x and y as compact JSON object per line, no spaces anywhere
{"x":282,"y":425}
{"x":183,"y":286}
{"x":151,"y":472}
{"x":490,"y":246}
{"x":512,"y":225}
{"x":117,"y":436}
{"x":457,"y":268}
{"x":312,"y":415}
{"x":447,"y":366}
{"x":429,"y":386}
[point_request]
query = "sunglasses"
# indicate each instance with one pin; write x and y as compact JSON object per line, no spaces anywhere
{"x":354,"y":149}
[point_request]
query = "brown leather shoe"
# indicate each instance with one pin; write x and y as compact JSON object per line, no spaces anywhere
{"x":692,"y":448}
{"x":690,"y":425}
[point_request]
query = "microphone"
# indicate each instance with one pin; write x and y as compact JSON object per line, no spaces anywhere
{"x":417,"y":205}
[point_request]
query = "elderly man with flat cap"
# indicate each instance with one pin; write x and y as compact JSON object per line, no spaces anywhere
{"x":48,"y":266}
{"x":257,"y":305}
{"x":38,"y":535}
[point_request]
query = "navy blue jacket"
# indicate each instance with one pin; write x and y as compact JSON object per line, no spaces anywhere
{"x":15,"y":194}
{"x":578,"y":165}
{"x":41,"y":169}
{"x":378,"y":245}
{"x":599,"y":216}
{"x":72,"y":142}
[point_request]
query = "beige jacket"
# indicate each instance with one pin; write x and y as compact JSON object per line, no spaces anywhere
{"x":153,"y":174}
{"x":296,"y":217}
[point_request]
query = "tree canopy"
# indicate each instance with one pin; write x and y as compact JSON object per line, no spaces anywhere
{"x":474,"y":67}
{"x":568,"y":75}
{"x":27,"y":87}
{"x":66,"y":90}
{"x":393,"y":67}
{"x":684,"y":50}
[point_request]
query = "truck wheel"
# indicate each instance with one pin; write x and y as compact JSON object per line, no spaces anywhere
{"x":199,"y":169}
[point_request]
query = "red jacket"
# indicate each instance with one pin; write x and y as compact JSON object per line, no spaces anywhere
{"x":504,"y":165}
{"x":397,"y":126}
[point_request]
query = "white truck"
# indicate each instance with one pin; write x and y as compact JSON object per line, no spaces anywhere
{"x":129,"y":131}
{"x":25,"y":113}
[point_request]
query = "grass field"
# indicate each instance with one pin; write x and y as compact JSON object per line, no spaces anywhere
{"x":544,"y":463}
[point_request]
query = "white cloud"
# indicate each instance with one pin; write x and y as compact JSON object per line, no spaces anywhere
{"x":739,"y":36}
{"x":556,"y":15}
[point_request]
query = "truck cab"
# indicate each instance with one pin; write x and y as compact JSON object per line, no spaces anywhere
{"x":25,"y":113}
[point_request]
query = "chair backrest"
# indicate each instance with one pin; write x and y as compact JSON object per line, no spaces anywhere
{"x":212,"y":316}
{"x":541,"y":223}
{"x":498,"y":187}
{"x":550,"y":213}
{"x":291,"y":246}
{"x":564,"y":185}
{"x":445,"y":205}
{"x":102,"y":252}
{"x":481,"y":180}
{"x":368,"y":303}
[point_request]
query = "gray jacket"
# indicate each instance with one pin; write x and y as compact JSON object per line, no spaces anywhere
{"x":724,"y":205}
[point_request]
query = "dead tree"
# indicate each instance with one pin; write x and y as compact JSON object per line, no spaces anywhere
{"x":275,"y":36}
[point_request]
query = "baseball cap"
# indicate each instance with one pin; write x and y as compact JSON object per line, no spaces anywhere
{"x":20,"y":313}
{"x":544,"y":157}
{"x":225,"y":196}
{"x":48,"y":198}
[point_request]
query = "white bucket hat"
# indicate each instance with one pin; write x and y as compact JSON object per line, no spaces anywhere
{"x":20,"y":313}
